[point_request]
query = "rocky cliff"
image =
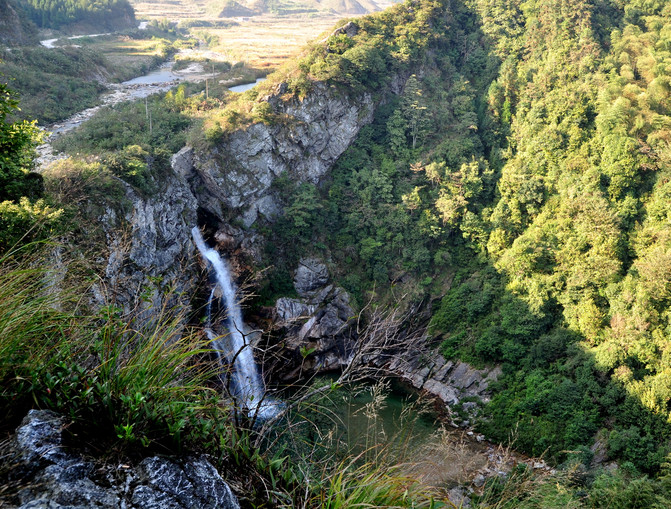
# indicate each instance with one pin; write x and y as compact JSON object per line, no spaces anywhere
{"x":238,"y":173}
{"x":228,"y":187}
{"x":229,"y":183}
{"x":150,"y":252}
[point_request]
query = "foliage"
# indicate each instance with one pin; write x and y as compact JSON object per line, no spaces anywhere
{"x":520,"y":182}
{"x":26,"y":221}
{"x":109,"y":14}
{"x":540,"y":177}
{"x":20,"y":219}
{"x":53,"y":83}
{"x":135,"y":383}
{"x":17,"y":143}
{"x":157,"y":124}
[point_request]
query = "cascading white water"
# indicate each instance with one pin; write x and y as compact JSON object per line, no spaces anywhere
{"x":248,"y":386}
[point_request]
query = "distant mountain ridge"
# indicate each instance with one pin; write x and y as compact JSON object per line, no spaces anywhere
{"x":233,"y":8}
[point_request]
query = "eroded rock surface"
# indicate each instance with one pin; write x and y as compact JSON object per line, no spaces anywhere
{"x":150,"y":252}
{"x":450,"y":381}
{"x":149,"y":238}
{"x":43,"y":474}
{"x":239,"y":171}
{"x":317,"y":325}
{"x":311,"y":275}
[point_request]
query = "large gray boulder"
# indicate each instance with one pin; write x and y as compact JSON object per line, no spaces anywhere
{"x":318,"y":322}
{"x":44,"y":475}
{"x":311,"y":275}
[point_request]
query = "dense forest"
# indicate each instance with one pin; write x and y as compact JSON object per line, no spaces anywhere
{"x":101,"y":14}
{"x":519,"y":187}
{"x":528,"y":158}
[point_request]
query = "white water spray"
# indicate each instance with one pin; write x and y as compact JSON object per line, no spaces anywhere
{"x":247,"y":383}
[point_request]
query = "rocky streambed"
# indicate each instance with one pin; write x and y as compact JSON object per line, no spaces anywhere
{"x":159,"y":80}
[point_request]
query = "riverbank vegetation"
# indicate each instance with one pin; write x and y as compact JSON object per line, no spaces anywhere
{"x":54,"y":83}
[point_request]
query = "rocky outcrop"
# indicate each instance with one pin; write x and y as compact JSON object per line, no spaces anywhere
{"x":41,"y":473}
{"x":150,"y":241}
{"x":311,"y":275}
{"x":316,"y":326}
{"x":314,"y":132}
{"x":317,"y":329}
{"x":451,"y":382}
{"x":150,"y":248}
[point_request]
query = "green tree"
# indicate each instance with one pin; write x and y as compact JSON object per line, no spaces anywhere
{"x":17,"y":143}
{"x":413,"y":107}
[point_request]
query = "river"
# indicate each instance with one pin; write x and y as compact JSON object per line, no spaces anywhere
{"x":158,"y":80}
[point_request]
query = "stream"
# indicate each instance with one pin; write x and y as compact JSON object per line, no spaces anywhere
{"x":159,"y":80}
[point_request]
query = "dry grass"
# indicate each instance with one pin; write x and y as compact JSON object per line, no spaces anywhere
{"x":268,"y":41}
{"x":171,"y":9}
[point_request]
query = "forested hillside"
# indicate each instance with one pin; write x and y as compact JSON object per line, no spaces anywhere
{"x":528,"y":158}
{"x":100,"y":14}
{"x":15,"y":27}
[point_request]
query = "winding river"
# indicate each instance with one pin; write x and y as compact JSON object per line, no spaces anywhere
{"x":156,"y":81}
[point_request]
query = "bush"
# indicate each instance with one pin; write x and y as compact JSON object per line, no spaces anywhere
{"x":26,"y":221}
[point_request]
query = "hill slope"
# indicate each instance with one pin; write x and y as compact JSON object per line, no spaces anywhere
{"x":528,"y":158}
{"x":15,"y":27}
{"x":86,"y":16}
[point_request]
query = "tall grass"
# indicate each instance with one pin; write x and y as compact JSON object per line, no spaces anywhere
{"x":32,"y":330}
{"x":135,"y":382}
{"x":144,"y":385}
{"x":372,"y":485}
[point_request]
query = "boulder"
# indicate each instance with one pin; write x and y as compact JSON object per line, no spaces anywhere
{"x":289,"y":310}
{"x":311,"y":275}
{"x":47,"y":476}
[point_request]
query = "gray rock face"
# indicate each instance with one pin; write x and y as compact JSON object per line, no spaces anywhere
{"x":459,"y":497}
{"x":50,"y":477}
{"x":311,"y":275}
{"x":149,"y":241}
{"x":194,"y":484}
{"x":289,"y":310}
{"x":449,"y":381}
{"x":319,"y":322}
{"x":239,"y":171}
{"x":39,"y":438}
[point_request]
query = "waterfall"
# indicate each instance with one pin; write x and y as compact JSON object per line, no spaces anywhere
{"x":248,"y":387}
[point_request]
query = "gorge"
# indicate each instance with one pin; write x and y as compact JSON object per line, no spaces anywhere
{"x":468,"y":196}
